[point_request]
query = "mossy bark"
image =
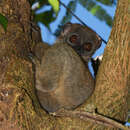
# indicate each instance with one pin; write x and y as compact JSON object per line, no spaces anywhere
{"x":19,"y":107}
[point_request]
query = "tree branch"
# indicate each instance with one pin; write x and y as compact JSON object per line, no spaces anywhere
{"x":87,"y":116}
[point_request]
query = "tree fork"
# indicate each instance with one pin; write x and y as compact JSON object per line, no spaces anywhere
{"x":19,"y":108}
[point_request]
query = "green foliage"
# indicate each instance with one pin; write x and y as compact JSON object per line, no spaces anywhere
{"x":68,"y":15}
{"x":128,"y":120}
{"x":55,"y":5}
{"x":43,"y":2}
{"x":46,"y":18}
{"x":106,"y":2}
{"x":3,"y":21}
{"x":102,"y":15}
{"x":92,"y":6}
{"x":97,"y":10}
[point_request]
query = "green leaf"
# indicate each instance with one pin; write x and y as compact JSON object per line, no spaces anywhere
{"x":128,"y":120}
{"x":3,"y":21}
{"x":46,"y":18}
{"x":106,"y":2}
{"x":95,"y":9}
{"x":55,"y":5}
{"x":43,"y":2}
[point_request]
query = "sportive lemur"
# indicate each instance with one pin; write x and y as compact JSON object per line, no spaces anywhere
{"x":62,"y":78}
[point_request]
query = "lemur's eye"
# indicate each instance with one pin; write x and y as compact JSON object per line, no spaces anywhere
{"x":74,"y":39}
{"x":87,"y":46}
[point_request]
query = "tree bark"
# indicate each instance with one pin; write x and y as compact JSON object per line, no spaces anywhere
{"x":19,"y":107}
{"x":113,"y":80}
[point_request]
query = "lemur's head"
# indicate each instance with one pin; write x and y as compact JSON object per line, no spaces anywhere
{"x":81,"y":38}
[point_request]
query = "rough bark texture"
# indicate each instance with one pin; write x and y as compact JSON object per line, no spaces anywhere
{"x":113,"y":80}
{"x":19,"y":108}
{"x":113,"y":77}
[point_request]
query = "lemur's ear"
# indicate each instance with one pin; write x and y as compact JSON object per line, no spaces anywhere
{"x":66,"y":28}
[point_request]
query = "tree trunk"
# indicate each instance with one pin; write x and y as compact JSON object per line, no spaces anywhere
{"x":19,"y":107}
{"x":113,"y":80}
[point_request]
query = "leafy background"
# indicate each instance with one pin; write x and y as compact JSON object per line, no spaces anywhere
{"x":97,"y":14}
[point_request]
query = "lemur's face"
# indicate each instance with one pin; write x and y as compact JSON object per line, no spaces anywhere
{"x":82,"y":39}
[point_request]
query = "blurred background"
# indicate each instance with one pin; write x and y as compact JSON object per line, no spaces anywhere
{"x":97,"y":14}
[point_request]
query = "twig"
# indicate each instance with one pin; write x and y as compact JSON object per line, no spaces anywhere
{"x":86,"y":116}
{"x":79,"y":19}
